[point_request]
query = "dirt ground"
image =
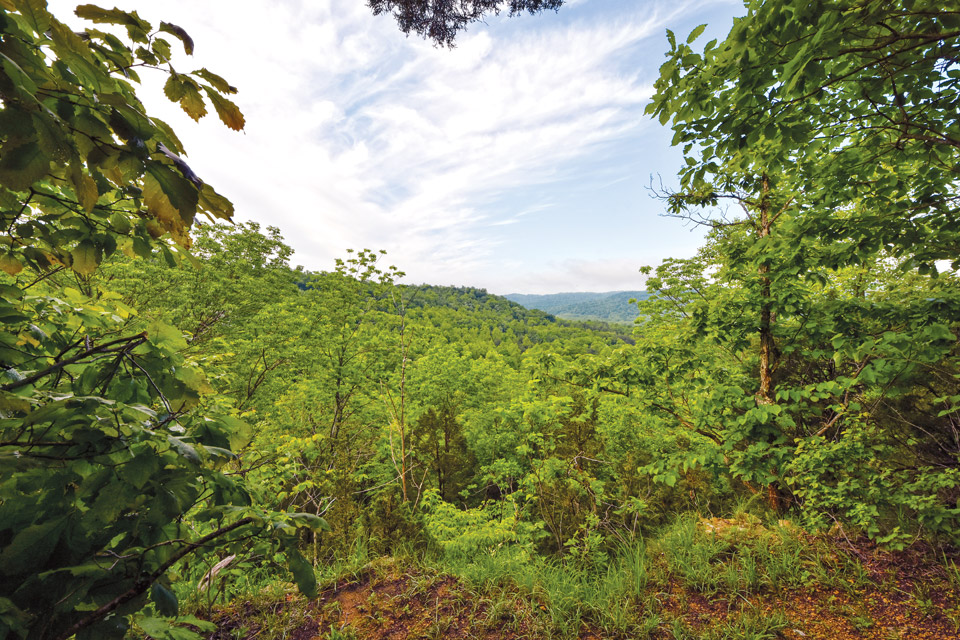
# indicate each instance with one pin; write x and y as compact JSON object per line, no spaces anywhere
{"x":905,"y":598}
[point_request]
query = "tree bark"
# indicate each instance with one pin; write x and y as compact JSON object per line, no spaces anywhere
{"x":765,"y":394}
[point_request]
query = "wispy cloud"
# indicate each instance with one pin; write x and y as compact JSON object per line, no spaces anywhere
{"x":360,"y":137}
{"x":618,"y":274}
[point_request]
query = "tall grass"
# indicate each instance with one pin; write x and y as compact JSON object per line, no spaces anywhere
{"x":737,"y":556}
{"x":623,"y":598}
{"x":568,"y":595}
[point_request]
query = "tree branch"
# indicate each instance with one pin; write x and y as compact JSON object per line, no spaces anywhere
{"x":140,"y":338}
{"x":143,"y":583}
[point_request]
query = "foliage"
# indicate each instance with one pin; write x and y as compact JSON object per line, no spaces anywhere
{"x":855,"y":101}
{"x":827,"y":125}
{"x":182,"y":412}
{"x":441,"y":21}
{"x":111,"y":474}
{"x":85,"y":171}
{"x":615,"y":307}
{"x":469,"y":532}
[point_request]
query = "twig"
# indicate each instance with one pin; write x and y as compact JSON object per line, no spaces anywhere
{"x":104,"y":348}
{"x":143,"y":583}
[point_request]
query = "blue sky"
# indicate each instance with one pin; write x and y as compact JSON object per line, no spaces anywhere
{"x":518,"y":161}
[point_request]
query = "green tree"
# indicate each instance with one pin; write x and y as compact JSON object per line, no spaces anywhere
{"x":854,"y":99}
{"x":109,"y":474}
{"x":441,"y":20}
{"x":223,"y":299}
{"x":831,"y":124}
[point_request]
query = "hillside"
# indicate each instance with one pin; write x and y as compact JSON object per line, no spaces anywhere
{"x":609,"y":306}
{"x":201,"y":441}
{"x":715,"y":579}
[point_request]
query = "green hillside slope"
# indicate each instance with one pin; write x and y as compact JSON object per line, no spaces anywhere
{"x":609,"y":306}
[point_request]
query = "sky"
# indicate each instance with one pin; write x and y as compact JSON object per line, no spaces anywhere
{"x":519,"y":161}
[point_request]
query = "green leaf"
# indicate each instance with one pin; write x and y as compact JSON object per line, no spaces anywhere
{"x":164,"y":599}
{"x":184,"y":449}
{"x":216,"y":81}
{"x":215,"y":204}
{"x":139,"y":470}
{"x":13,"y":617}
{"x":31,"y":547}
{"x":192,"y":101}
{"x":173,"y":87}
{"x":51,"y":136}
{"x":10,"y":264}
{"x":696,"y":33}
{"x":85,"y":188}
{"x":171,"y":199}
{"x":137,"y":28}
{"x":35,"y":11}
{"x":204,"y":625}
{"x":162,"y":629}
{"x":21,"y":80}
{"x":161,"y":48}
{"x":239,"y":433}
{"x":120,"y":223}
{"x":22,"y":164}
{"x":311,"y":521}
{"x":166,"y":135}
{"x":86,"y":258}
{"x":165,"y":335}
{"x":127,"y":121}
{"x":12,"y":402}
{"x":302,"y":572}
{"x":219,"y":455}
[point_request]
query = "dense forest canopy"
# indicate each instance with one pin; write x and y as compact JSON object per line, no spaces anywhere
{"x":611,"y":306}
{"x":179,"y":406}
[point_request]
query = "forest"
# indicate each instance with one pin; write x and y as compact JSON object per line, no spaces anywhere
{"x":612,"y":306}
{"x":200,"y":440}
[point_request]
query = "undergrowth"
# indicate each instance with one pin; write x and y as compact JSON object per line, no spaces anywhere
{"x":632,"y":595}
{"x":702,"y":578}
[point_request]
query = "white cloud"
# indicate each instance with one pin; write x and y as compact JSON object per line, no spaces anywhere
{"x":359,"y":137}
{"x":615,"y":274}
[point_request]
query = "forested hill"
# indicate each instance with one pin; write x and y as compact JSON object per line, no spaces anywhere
{"x":609,"y":306}
{"x":471,"y":299}
{"x":190,"y":425}
{"x":483,"y":319}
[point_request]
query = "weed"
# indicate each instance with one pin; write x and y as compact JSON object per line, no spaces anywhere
{"x":862,"y":622}
{"x":924,"y":599}
{"x":633,"y":559}
{"x":952,"y":571}
{"x":692,"y":555}
{"x":345,"y":633}
{"x":648,"y":624}
{"x":680,"y":630}
{"x":438,"y":628}
{"x":750,"y":624}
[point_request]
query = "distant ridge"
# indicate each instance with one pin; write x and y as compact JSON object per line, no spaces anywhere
{"x":608,"y":306}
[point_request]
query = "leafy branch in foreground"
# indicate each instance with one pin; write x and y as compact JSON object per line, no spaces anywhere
{"x":110,"y":472}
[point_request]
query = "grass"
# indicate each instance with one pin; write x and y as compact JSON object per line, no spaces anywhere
{"x":629,"y":597}
{"x":564,"y":597}
{"x":703,"y":578}
{"x":750,"y":624}
{"x":739,"y":556}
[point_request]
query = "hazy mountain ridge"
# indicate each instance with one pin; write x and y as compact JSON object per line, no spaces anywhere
{"x":608,"y":306}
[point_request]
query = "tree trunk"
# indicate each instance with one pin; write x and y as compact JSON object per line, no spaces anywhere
{"x":767,"y":345}
{"x":765,"y":395}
